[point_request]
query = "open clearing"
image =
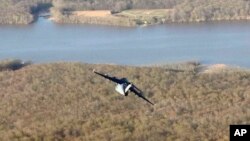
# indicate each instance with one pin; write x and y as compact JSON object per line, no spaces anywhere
{"x":125,"y":18}
{"x":216,"y":68}
{"x":127,"y":13}
{"x":96,"y":13}
{"x":145,"y":13}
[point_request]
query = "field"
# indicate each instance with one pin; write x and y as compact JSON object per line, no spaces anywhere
{"x":98,"y":13}
{"x":124,"y":18}
{"x":146,"y":16}
{"x":67,"y":101}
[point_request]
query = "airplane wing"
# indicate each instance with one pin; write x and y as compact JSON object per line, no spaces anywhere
{"x":114,"y":79}
{"x":139,"y":93}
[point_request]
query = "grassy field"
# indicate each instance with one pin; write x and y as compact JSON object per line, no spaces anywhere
{"x":146,"y":16}
{"x":124,"y":18}
{"x":66,"y":101}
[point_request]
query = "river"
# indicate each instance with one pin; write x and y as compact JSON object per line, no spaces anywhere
{"x":209,"y":43}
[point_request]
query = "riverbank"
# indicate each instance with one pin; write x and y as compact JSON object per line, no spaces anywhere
{"x":129,"y":18}
{"x":192,"y":66}
{"x":134,"y":13}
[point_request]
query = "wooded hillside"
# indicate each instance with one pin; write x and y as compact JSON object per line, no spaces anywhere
{"x":67,"y":101}
{"x":22,"y":11}
{"x":182,"y":10}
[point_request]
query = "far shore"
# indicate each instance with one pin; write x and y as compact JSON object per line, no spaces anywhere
{"x":125,"y":18}
{"x":128,"y":18}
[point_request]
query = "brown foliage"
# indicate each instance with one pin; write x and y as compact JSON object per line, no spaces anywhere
{"x":20,"y":11}
{"x":66,"y":101}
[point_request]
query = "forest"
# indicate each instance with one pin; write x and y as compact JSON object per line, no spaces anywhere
{"x":67,"y":101}
{"x":181,"y":10}
{"x":23,"y":11}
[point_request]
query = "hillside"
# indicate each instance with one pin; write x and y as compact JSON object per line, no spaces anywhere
{"x":21,"y":11}
{"x":128,"y":18}
{"x":66,"y":101}
{"x":25,"y":11}
{"x":175,"y":11}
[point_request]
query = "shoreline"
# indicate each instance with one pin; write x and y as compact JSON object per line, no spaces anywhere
{"x":126,"y":18}
{"x":130,"y":18}
{"x":16,"y":64}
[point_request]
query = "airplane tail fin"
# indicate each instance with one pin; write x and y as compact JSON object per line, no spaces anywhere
{"x":128,"y":87}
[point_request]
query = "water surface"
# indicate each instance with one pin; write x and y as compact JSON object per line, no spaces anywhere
{"x":210,"y":43}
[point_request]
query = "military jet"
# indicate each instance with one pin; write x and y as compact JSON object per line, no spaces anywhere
{"x":123,"y":86}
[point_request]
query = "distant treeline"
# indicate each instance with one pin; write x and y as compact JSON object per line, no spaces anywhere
{"x":22,"y":11}
{"x":207,"y":10}
{"x":182,"y":10}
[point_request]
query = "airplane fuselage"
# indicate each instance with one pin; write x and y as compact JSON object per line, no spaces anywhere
{"x":123,"y":88}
